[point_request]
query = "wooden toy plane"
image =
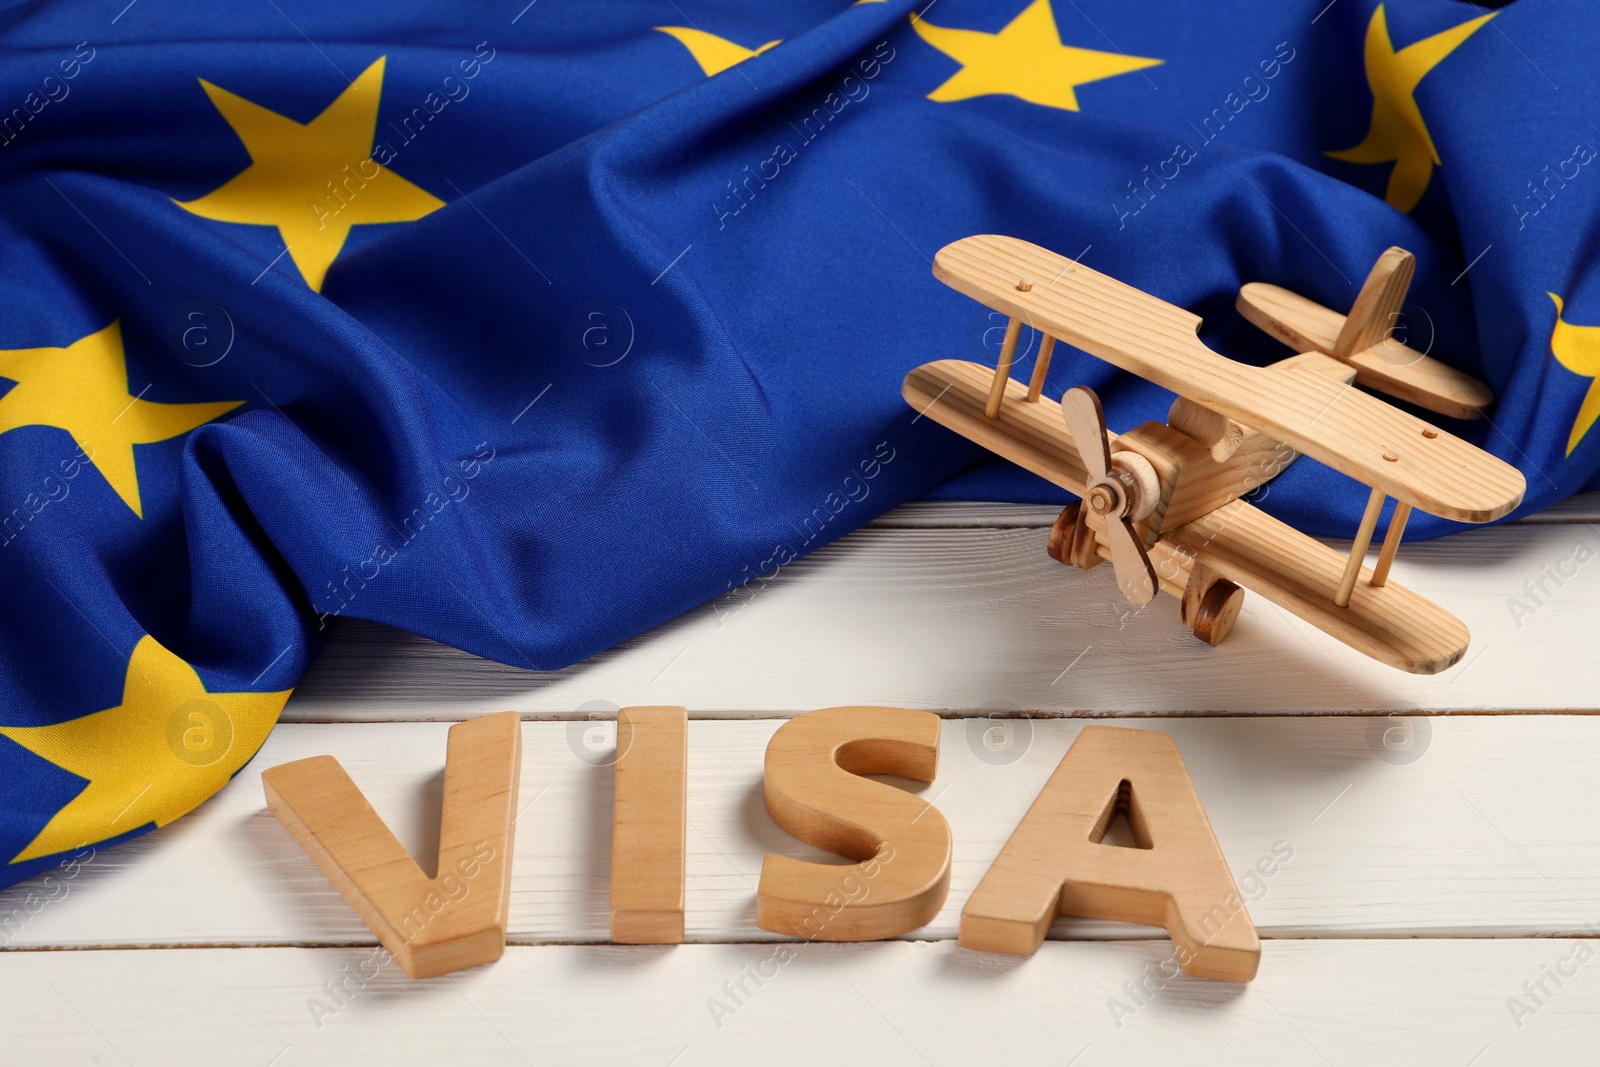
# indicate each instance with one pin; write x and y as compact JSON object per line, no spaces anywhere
{"x":1163,"y":499}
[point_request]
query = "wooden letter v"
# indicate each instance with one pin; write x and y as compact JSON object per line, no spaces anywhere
{"x":432,"y":926}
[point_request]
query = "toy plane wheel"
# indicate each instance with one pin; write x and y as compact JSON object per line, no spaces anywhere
{"x":1213,"y":618}
{"x":1072,"y":543}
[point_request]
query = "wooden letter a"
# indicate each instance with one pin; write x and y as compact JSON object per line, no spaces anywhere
{"x":1055,"y":862}
{"x":432,"y":926}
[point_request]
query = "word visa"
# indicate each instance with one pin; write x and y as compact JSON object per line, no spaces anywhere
{"x":815,"y":788}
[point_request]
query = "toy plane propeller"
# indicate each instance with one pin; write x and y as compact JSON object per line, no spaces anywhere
{"x":1161,"y":501}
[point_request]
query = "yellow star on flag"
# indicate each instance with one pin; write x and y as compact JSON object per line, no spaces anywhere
{"x":169,"y":745}
{"x":1577,"y":348}
{"x":313,"y":181}
{"x":1026,"y":59}
{"x":83,"y":389}
{"x":714,"y":54}
{"x":1398,"y":133}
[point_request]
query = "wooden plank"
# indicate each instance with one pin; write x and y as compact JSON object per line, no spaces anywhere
{"x":1397,"y":827}
{"x":1341,"y":426}
{"x":959,"y":618}
{"x":1583,"y":508}
{"x":885,"y":1004}
{"x":984,"y":514}
{"x":965,"y":514}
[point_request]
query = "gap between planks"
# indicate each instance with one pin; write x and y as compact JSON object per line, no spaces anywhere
{"x":782,"y":714}
{"x":1156,"y":934}
{"x":987,"y":515}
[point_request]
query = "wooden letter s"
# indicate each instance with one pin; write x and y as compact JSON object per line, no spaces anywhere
{"x":901,"y":844}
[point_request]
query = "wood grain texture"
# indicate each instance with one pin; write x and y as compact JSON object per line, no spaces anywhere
{"x":1173,"y":874}
{"x":431,"y":924}
{"x":647,"y":826}
{"x":1399,"y":826}
{"x":1035,"y":437}
{"x":1390,"y":623}
{"x":1391,"y":542}
{"x":985,"y":514}
{"x":1358,"y":550}
{"x":1220,"y":435}
{"x":1112,"y":505}
{"x":1390,"y":366}
{"x":1002,"y":370}
{"x":1343,"y":427}
{"x":1041,"y":367}
{"x":1377,"y":305}
{"x":1580,"y":508}
{"x":894,"y":1004}
{"x":814,"y":787}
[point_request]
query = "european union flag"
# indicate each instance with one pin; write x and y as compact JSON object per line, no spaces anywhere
{"x":526,"y":326}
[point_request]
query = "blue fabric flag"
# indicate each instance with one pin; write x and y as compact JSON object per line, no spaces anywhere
{"x":526,"y":328}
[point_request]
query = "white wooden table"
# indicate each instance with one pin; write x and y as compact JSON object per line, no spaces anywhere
{"x":1438,"y":864}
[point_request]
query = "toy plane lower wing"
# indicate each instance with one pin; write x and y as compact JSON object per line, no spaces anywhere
{"x":1234,"y":540}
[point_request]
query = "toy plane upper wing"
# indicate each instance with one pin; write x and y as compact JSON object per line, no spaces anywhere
{"x":1360,"y":435}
